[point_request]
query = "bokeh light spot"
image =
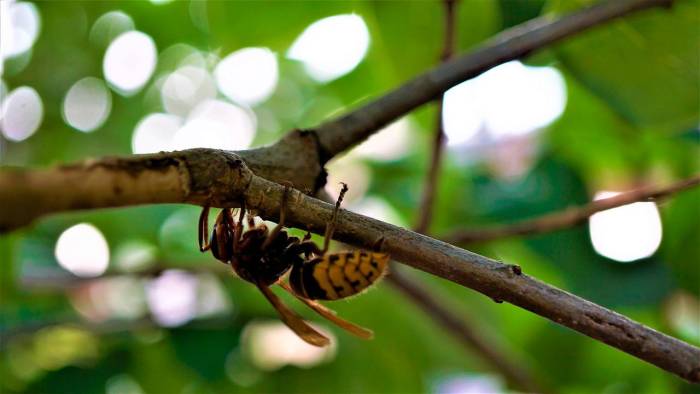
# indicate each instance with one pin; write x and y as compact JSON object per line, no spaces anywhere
{"x":390,"y":143}
{"x":172,"y":298}
{"x":212,"y":299}
{"x":19,"y":28}
{"x":3,"y":93}
{"x":272,"y":345}
{"x":82,"y":250}
{"x":247,"y":76}
{"x":109,"y":26}
{"x":682,"y":311}
{"x":627,"y":233}
{"x":216,"y":124}
{"x":154,"y":133}
{"x":129,"y":62}
{"x":87,"y":104}
{"x":122,"y":384}
{"x":185,"y":88}
{"x":331,"y":47}
{"x":109,"y":298}
{"x":507,"y":101}
{"x":136,"y":255}
{"x":351,"y":170}
{"x":468,"y":384}
{"x":22,"y":112}
{"x":379,"y":209}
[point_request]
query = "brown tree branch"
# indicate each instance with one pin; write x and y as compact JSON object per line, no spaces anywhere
{"x":342,"y":133}
{"x":299,"y":156}
{"x":26,"y":195}
{"x":568,"y":218}
{"x":222,"y":179}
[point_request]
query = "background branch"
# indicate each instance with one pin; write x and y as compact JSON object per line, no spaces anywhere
{"x":425,"y":212}
{"x":459,"y":326}
{"x":567,"y":218}
{"x":464,"y":330}
{"x":342,"y":133}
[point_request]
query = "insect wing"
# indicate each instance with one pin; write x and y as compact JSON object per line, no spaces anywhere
{"x":330,"y":315}
{"x":294,"y":321}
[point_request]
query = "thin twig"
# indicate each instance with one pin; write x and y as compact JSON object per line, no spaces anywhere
{"x":460,"y":327}
{"x":567,"y":218}
{"x":222,"y":179}
{"x":432,"y":176}
{"x":339,"y":134}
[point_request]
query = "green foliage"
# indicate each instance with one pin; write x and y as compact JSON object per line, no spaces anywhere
{"x":645,"y":67}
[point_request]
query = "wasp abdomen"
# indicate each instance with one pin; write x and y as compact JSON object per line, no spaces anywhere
{"x":338,"y":275}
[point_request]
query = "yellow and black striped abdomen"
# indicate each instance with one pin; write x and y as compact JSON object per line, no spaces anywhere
{"x":338,"y":275}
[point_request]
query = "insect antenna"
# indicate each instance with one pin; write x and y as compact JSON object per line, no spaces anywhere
{"x":280,"y":224}
{"x":330,"y":227}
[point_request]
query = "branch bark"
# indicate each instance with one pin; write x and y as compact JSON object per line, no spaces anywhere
{"x":222,"y":179}
{"x":146,"y":179}
{"x":568,"y":218}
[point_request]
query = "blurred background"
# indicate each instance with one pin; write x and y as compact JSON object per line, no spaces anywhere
{"x":121,"y":300}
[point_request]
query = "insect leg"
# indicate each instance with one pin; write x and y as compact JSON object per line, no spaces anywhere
{"x":306,"y":247}
{"x":204,"y":230}
{"x":292,"y":320}
{"x":307,"y":236}
{"x":330,"y":315}
{"x":238,"y":229}
{"x":251,"y":221}
{"x":228,"y":220}
{"x":280,"y":224}
{"x":330,"y":227}
{"x":303,"y":247}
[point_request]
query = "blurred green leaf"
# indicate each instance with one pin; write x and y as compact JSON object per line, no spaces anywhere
{"x":519,"y":11}
{"x":644,"y":66}
{"x":681,"y":248}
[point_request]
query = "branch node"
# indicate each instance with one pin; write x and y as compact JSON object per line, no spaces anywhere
{"x":185,"y":178}
{"x":516,"y":269}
